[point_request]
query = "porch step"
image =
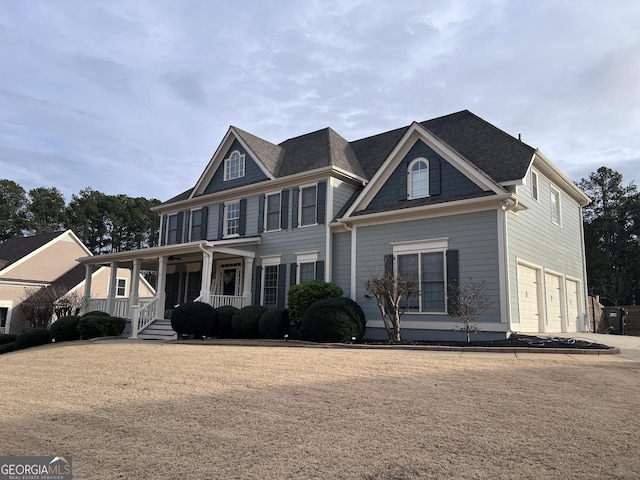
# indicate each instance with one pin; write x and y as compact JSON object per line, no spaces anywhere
{"x":158,"y":330}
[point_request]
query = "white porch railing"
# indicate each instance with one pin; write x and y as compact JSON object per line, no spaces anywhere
{"x":217,"y":301}
{"x":143,"y":315}
{"x":96,"y":305}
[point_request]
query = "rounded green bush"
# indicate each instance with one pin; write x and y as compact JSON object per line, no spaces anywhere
{"x":274,"y":323}
{"x":245,"y":322}
{"x":354,"y":310}
{"x":224,"y":316}
{"x":33,"y":338}
{"x":8,"y":347}
{"x":304,"y":295}
{"x":96,"y":313}
{"x":92,"y":326}
{"x":329,"y":320}
{"x":193,"y":318}
{"x":65,"y":329}
{"x":7,"y":338}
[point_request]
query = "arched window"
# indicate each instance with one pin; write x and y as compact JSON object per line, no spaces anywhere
{"x":234,"y":166}
{"x":418,"y":184}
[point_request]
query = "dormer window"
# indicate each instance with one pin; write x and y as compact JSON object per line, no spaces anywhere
{"x":234,"y":166}
{"x":418,"y":173}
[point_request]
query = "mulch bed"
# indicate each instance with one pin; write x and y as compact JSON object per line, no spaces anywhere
{"x":516,"y":340}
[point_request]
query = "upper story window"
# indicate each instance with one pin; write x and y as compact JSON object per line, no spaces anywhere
{"x":234,"y":166}
{"x":556,"y":216}
{"x":308,"y":202}
{"x":418,"y":183}
{"x":121,"y":287}
{"x":534,"y":185}
{"x":172,"y":229}
{"x":232,"y":219}
{"x":196,"y":225}
{"x":273,"y":212}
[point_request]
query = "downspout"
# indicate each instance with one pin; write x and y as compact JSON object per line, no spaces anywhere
{"x":508,"y":205}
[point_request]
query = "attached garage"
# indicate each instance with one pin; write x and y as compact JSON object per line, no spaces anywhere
{"x":574,"y":323}
{"x":553,"y":300}
{"x":528,"y":299}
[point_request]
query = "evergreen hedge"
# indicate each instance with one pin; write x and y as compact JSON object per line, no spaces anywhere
{"x":245,"y":322}
{"x":193,"y":318}
{"x":274,"y":323}
{"x":333,"y":320}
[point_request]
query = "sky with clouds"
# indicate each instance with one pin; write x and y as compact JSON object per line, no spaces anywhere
{"x":134,"y":96}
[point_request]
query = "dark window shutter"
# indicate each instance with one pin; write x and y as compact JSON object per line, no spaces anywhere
{"x":293,"y":274}
{"x":320,"y":270}
{"x":282,"y":284}
{"x":453,"y":281}
{"x":295,"y":195}
{"x":261,"y":214}
{"x":403,"y":176}
{"x":284,"y":210}
{"x":180,"y":227}
{"x":242,"y":229}
{"x":204,"y":222}
{"x":257,"y":289}
{"x":221,"y":221}
{"x":388,"y":265}
{"x":322,"y":201}
{"x":163,"y":234}
{"x":434,"y":176}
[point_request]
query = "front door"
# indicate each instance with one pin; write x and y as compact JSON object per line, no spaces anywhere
{"x":229,"y":278}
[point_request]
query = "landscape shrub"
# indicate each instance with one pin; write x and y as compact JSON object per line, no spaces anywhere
{"x":355,"y":311}
{"x":305,"y":294}
{"x":65,"y":329}
{"x":245,"y":322}
{"x":274,"y":323}
{"x":8,"y":347}
{"x":33,"y":338}
{"x":115,"y":326}
{"x":96,"y":313}
{"x":224,"y":316}
{"x":329,"y":320}
{"x":193,"y":318}
{"x":90,"y":326}
{"x":7,"y":338}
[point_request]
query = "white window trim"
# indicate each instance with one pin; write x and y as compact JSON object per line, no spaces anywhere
{"x":556,"y":191}
{"x":118,"y":279}
{"x":300,"y":224}
{"x":225,"y":233}
{"x":266,"y":212}
{"x":227,"y":165}
{"x":436,"y":245}
{"x":535,"y":194}
{"x":268,"y":261}
{"x":410,"y":195}
{"x":306,"y":257}
{"x":9,"y":306}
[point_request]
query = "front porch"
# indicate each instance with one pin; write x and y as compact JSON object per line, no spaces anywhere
{"x":217,"y":273}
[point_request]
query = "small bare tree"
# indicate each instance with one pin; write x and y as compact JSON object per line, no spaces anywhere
{"x":392,"y":295}
{"x":38,"y":305}
{"x":467,"y":302}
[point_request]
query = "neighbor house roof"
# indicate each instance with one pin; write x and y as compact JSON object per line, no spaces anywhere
{"x":15,"y":248}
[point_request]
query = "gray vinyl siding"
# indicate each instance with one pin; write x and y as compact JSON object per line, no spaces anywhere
{"x":252,"y":173}
{"x":342,"y":192}
{"x":452,"y":182}
{"x":341,"y":261}
{"x":533,"y":237}
{"x":212,"y":222}
{"x":474,"y":235}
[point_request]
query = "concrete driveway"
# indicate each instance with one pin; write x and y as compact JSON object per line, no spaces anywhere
{"x":629,"y":346}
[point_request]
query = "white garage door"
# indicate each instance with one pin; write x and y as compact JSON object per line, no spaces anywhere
{"x":554,"y":306}
{"x":573,"y":310}
{"x":528,"y":299}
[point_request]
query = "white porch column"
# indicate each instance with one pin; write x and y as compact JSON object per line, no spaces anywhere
{"x":160,"y":288}
{"x":207,"y":266}
{"x":134,"y":285}
{"x":87,"y":287}
{"x":248,"y":279}
{"x":112,"y":286}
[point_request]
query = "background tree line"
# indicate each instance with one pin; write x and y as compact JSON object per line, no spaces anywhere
{"x":105,"y":223}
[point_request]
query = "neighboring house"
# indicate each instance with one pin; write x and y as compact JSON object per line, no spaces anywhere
{"x":442,"y":200}
{"x":30,"y":263}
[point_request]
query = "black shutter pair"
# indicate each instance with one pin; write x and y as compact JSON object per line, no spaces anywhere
{"x":284,"y":211}
{"x":321,"y":203}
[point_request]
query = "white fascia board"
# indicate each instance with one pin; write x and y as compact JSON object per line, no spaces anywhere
{"x":544,"y":165}
{"x":430,"y":211}
{"x":414,"y":133}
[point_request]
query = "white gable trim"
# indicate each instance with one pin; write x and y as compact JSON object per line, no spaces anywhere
{"x":413,"y":134}
{"x":218,"y":158}
{"x":27,"y":257}
{"x":549,"y":170}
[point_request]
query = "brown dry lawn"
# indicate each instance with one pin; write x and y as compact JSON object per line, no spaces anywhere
{"x":156,"y":411}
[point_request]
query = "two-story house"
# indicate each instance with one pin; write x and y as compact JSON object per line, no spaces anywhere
{"x":443,"y":201}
